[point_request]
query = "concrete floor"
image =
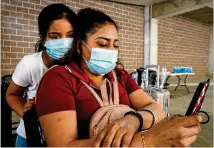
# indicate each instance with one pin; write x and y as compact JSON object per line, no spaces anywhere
{"x":179,"y":103}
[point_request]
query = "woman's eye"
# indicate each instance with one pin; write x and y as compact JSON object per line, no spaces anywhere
{"x":70,"y":36}
{"x":103,"y":45}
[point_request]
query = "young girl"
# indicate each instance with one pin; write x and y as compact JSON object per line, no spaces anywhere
{"x":56,"y":26}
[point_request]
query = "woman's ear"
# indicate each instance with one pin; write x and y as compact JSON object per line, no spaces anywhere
{"x":79,"y":47}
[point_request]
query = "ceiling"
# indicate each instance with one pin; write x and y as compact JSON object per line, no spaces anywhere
{"x":204,"y":15}
{"x":139,"y":2}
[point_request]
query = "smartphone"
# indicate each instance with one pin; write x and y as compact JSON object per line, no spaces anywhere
{"x":198,"y":98}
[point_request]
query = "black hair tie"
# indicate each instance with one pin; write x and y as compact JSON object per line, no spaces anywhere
{"x":138,"y":115}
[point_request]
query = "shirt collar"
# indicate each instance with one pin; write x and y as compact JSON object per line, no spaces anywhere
{"x":77,"y":71}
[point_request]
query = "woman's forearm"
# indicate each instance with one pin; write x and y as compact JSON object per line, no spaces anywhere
{"x":148,"y":117}
{"x":16,"y":103}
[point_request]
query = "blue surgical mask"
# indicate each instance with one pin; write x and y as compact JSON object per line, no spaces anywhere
{"x":58,"y":47}
{"x":102,"y":61}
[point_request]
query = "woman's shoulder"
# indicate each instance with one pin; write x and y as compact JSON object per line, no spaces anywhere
{"x":122,"y":75}
{"x":126,"y":80}
{"x":33,"y":57}
{"x":32,"y":61}
{"x":55,"y":75}
{"x":121,"y":72}
{"x":60,"y":72}
{"x":57,"y":70}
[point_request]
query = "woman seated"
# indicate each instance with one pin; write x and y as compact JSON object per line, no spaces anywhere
{"x":70,"y":96}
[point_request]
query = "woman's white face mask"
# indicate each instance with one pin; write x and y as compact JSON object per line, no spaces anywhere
{"x":102,"y":61}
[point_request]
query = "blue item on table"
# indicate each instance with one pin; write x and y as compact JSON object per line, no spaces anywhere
{"x":182,"y":70}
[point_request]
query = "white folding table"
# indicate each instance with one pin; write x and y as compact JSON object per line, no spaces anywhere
{"x":179,"y":79}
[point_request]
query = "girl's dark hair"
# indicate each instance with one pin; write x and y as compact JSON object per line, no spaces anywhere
{"x":88,"y":21}
{"x":49,"y":14}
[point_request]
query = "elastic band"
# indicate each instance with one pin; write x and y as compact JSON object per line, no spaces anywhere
{"x":153,"y":115}
{"x":138,"y":116}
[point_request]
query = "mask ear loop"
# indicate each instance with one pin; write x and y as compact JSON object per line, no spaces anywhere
{"x":87,"y":47}
{"x":84,"y":58}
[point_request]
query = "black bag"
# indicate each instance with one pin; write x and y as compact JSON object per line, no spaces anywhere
{"x":141,"y":72}
{"x":34,"y":135}
{"x":6,"y":115}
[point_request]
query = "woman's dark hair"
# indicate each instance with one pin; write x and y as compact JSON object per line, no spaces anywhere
{"x":49,"y":14}
{"x":88,"y":21}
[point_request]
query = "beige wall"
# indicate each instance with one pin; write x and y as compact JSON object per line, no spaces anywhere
{"x":183,"y":42}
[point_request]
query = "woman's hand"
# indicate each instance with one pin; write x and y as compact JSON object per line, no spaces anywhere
{"x":177,"y":131}
{"x":119,"y":133}
{"x":29,"y":104}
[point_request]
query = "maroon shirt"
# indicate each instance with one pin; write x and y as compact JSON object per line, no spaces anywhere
{"x":60,"y":90}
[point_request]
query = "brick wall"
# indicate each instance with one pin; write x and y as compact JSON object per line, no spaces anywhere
{"x":183,"y":42}
{"x":19,"y":31}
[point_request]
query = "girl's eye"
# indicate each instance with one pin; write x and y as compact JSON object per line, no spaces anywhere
{"x":55,"y":37}
{"x":116,"y":47}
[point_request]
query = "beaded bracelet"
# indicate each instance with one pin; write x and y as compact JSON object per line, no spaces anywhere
{"x":143,"y":139}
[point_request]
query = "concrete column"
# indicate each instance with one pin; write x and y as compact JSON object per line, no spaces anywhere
{"x":147,"y":35}
{"x":154,"y":42}
{"x":211,"y":55}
